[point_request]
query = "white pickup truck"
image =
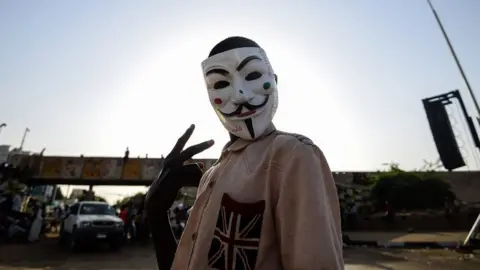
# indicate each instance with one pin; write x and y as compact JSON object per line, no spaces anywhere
{"x":90,"y":222}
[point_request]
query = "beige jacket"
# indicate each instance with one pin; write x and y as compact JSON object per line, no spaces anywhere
{"x":269,"y":204}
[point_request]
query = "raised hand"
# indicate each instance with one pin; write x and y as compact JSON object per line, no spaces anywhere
{"x":175,"y":174}
{"x":177,"y":157}
{"x":162,"y":193}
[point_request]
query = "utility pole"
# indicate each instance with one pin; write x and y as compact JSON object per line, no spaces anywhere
{"x":454,"y":54}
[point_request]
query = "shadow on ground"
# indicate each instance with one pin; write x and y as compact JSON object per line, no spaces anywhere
{"x":49,"y":255}
{"x":437,"y":259}
{"x":363,"y":258}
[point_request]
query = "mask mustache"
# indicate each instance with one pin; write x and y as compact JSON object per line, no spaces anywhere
{"x":246,"y":105}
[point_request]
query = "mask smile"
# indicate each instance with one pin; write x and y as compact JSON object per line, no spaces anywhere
{"x":247,"y":113}
{"x":252,"y":109}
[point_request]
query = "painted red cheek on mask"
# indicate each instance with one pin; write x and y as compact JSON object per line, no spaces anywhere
{"x":217,"y":101}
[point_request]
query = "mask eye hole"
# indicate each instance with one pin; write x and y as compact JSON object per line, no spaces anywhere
{"x":221,"y":85}
{"x":253,"y":76}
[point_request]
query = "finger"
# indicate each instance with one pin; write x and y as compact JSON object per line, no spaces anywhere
{"x":182,"y":140}
{"x":195,"y":149}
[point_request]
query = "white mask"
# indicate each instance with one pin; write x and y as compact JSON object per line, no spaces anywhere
{"x":242,"y":90}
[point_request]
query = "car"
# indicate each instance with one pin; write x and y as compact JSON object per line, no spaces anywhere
{"x":91,"y":222}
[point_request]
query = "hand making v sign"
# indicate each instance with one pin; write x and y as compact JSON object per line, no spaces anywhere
{"x":175,"y":174}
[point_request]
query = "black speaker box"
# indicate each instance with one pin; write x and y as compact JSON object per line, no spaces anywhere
{"x":443,"y":135}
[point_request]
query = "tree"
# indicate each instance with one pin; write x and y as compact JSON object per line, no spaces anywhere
{"x":126,"y":199}
{"x":409,"y":189}
{"x":100,"y":199}
{"x":96,"y":198}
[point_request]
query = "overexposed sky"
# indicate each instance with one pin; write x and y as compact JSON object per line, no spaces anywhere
{"x":93,"y":77}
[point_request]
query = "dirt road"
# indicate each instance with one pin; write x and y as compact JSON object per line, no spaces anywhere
{"x":48,"y":255}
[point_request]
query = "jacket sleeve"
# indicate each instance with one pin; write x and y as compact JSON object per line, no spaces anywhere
{"x":307,"y":213}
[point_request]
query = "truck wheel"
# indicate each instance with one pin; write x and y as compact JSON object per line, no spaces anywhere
{"x":115,"y":245}
{"x":61,"y":235}
{"x":61,"y":238}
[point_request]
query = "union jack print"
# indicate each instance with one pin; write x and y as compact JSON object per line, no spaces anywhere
{"x":237,"y":235}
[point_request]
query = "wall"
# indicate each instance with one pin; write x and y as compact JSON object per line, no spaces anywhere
{"x":466,"y":185}
{"x":4,"y":151}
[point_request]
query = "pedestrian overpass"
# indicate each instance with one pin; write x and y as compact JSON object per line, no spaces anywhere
{"x":119,"y":171}
{"x":107,"y":171}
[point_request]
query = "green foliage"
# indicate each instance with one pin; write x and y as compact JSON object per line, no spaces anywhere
{"x":180,"y":196}
{"x":363,"y":179}
{"x":125,"y":200}
{"x":409,"y":190}
{"x":99,"y":199}
{"x":96,"y":198}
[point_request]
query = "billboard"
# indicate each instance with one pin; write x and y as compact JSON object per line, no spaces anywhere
{"x":92,"y":168}
{"x":72,"y":167}
{"x":132,"y":169}
{"x":151,"y":168}
{"x":51,"y":167}
{"x":100,"y":168}
{"x":112,"y":168}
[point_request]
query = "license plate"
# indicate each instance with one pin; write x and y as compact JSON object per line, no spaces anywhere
{"x":101,"y":236}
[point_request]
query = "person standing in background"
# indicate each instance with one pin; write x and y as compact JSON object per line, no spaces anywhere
{"x":37,"y":225}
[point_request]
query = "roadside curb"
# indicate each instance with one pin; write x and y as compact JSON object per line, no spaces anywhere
{"x":407,"y":245}
{"x":419,"y":245}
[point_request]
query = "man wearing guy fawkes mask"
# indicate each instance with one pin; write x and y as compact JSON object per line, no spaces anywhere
{"x":269,"y":202}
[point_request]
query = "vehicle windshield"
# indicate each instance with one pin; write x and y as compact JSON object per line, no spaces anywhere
{"x":96,"y":209}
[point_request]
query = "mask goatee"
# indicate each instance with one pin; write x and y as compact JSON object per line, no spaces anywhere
{"x":248,"y":123}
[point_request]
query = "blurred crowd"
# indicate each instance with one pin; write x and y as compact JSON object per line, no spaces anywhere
{"x":25,"y":217}
{"x":136,"y":227}
{"x":21,"y":216}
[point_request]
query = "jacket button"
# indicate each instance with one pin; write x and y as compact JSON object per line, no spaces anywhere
{"x":211,"y":184}
{"x":194,"y":236}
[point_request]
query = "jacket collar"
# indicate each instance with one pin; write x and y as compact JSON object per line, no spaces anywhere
{"x":240,"y":143}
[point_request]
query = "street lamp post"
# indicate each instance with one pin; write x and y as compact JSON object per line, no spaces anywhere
{"x":2,"y":125}
{"x":23,"y":138}
{"x":455,"y":57}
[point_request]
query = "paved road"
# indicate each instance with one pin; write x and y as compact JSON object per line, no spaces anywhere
{"x":48,"y":255}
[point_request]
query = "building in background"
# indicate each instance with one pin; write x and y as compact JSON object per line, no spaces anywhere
{"x":4,"y":153}
{"x":13,"y":155}
{"x":20,"y":158}
{"x":17,"y":151}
